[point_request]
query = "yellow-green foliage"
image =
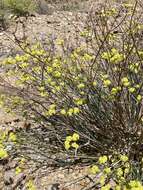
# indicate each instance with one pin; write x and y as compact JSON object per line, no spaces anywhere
{"x":20,"y":7}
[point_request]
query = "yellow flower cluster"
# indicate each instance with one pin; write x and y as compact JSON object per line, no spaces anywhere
{"x":103,"y":159}
{"x":135,"y":185}
{"x":71,"y":141}
{"x":105,"y":79}
{"x":125,"y":81}
{"x":115,"y":90}
{"x":3,"y":152}
{"x":51,"y":111}
{"x":113,"y":56}
{"x":134,"y":67}
{"x":21,"y":166}
{"x":124,"y":158}
{"x":119,"y":173}
{"x":30,"y":185}
{"x":79,"y":101}
{"x":94,"y":169}
{"x":12,"y":137}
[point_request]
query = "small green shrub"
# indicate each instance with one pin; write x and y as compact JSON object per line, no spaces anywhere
{"x":20,"y":7}
{"x":3,"y":20}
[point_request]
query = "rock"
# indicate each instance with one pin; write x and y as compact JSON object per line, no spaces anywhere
{"x":9,"y":177}
{"x":43,"y":7}
{"x":12,"y":165}
{"x":18,"y":180}
{"x":54,"y":186}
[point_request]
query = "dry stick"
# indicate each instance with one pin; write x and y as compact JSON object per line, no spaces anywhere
{"x":104,"y":40}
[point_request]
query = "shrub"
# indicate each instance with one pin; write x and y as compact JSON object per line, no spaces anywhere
{"x":3,"y":20}
{"x":20,"y":7}
{"x":95,"y":90}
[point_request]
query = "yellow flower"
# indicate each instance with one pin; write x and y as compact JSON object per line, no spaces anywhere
{"x":107,"y":170}
{"x":139,"y":97}
{"x":114,"y":91}
{"x":82,"y":92}
{"x":102,"y":180}
{"x":53,"y":83}
{"x":94,"y":83}
{"x":106,"y":187}
{"x":107,"y":82}
{"x":75,"y":145}
{"x":40,"y":52}
{"x":48,"y":80}
{"x":18,"y":170}
{"x":67,"y":145}
{"x":76,"y":110}
{"x":69,"y":138}
{"x":12,"y":137}
{"x":60,"y":42}
{"x":87,"y":57}
{"x":81,"y":85}
{"x":22,"y":161}
{"x":70,"y":112}
{"x":49,"y":69}
{"x":79,"y":101}
{"x":57,"y":74}
{"x":75,"y":137}
{"x":51,"y":112}
{"x":95,"y":169}
{"x":137,"y":86}
{"x":103,"y":159}
{"x":3,"y":153}
{"x":24,"y":65}
{"x":63,"y":112}
{"x":119,"y":172}
{"x":106,"y":56}
{"x":57,"y":88}
{"x":126,"y":171}
{"x":127,"y":165}
{"x":56,"y":63}
{"x":30,"y":185}
{"x":116,"y":58}
{"x":117,"y":187}
{"x":124,"y":158}
{"x":125,"y":81}
{"x":132,"y":89}
{"x":135,"y":183}
{"x":43,"y":94}
{"x":41,"y":88}
{"x":52,"y":106}
{"x":18,"y":58}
